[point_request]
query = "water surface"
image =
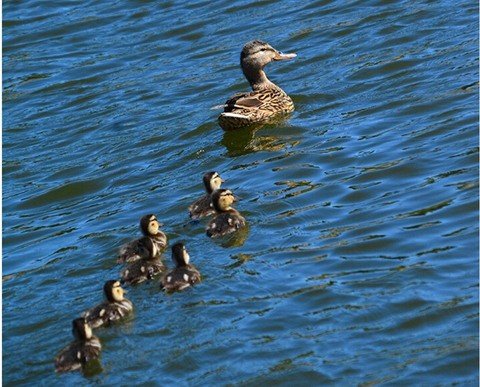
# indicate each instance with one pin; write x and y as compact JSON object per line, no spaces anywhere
{"x":361,"y":261}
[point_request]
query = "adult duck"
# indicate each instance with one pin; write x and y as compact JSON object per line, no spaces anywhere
{"x":266,"y":99}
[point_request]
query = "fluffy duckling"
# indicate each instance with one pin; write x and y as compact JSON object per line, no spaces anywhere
{"x":115,"y":308}
{"x":227,"y":219}
{"x":184,"y":274}
{"x":85,"y":348}
{"x":145,"y":268}
{"x":141,"y":248}
{"x":266,"y":99}
{"x":203,"y":207}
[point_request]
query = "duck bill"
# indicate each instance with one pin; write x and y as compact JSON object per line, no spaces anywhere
{"x":282,"y":56}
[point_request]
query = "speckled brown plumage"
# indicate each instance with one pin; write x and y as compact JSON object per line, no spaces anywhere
{"x":142,"y":270}
{"x":266,"y":100}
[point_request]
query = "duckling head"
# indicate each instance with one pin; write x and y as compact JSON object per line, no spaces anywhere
{"x":180,"y":255}
{"x":113,"y":291}
{"x":255,"y":56}
{"x":222,"y":200}
{"x":212,"y":181}
{"x":149,"y":225}
{"x":81,"y":330}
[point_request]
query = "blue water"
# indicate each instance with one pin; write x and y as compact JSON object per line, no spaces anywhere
{"x":360,"y":264}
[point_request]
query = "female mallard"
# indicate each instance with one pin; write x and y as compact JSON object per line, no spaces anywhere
{"x":202,"y":207}
{"x":266,"y":100}
{"x":227,"y":219}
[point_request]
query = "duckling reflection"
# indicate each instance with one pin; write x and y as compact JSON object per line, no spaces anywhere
{"x":115,"y":308}
{"x":83,"y":350}
{"x":235,"y":239}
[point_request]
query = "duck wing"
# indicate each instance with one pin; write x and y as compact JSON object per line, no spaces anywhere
{"x":142,"y":270}
{"x":242,"y":101}
{"x":133,"y":251}
{"x":225,"y":223}
{"x":181,"y":278}
{"x":201,"y":207}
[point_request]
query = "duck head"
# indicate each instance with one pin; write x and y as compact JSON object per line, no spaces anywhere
{"x":149,"y":225}
{"x":222,"y":200}
{"x":81,"y":330}
{"x":180,"y":255}
{"x":113,"y":291}
{"x":212,"y":181}
{"x":255,"y":56}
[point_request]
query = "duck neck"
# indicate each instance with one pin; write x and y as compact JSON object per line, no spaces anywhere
{"x":257,"y":78}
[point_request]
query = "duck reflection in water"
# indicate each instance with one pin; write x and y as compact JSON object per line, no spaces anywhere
{"x":254,"y":139}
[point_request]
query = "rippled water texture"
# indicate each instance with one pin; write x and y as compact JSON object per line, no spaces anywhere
{"x":360,"y":265}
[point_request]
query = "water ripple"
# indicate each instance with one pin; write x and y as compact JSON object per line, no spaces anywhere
{"x":360,"y":262}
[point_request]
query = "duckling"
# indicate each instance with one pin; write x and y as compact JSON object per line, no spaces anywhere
{"x":137,"y":249}
{"x":85,"y":348}
{"x":203,"y":206}
{"x":227,"y":219}
{"x":115,"y":308}
{"x":266,"y":100}
{"x":145,"y":268}
{"x":184,"y":274}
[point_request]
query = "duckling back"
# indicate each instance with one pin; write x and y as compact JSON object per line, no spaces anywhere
{"x":225,"y":223}
{"x":181,"y":278}
{"x":77,"y":354}
{"x":108,"y":312}
{"x":142,"y":270}
{"x":201,"y":207}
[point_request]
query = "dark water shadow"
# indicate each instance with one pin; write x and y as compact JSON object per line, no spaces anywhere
{"x":92,"y":368}
{"x":247,"y":140}
{"x":235,"y":239}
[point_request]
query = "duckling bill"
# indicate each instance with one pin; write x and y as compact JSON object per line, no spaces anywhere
{"x":85,"y":348}
{"x":266,"y":100}
{"x":227,"y":219}
{"x":152,"y":242}
{"x":113,"y":309}
{"x":203,"y":207}
{"x":184,"y":274}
